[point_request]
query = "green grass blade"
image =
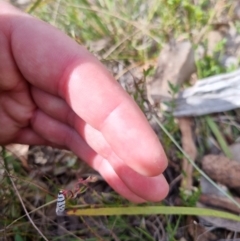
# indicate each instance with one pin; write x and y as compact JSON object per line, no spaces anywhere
{"x":145,"y":210}
{"x":215,"y":130}
{"x":34,"y":6}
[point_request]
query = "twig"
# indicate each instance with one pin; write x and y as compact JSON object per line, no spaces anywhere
{"x":188,"y":145}
{"x":36,"y":209}
{"x":25,"y":210}
{"x":49,"y":219}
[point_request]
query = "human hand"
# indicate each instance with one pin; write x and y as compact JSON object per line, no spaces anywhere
{"x":54,"y":92}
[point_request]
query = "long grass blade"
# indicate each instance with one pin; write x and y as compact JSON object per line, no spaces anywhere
{"x":150,"y":210}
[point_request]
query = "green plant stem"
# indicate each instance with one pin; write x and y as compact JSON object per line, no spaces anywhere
{"x":212,"y":125}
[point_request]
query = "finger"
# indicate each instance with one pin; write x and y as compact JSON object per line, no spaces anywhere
{"x":30,"y":137}
{"x":153,"y":189}
{"x":65,"y":136}
{"x":88,"y":88}
{"x":157,"y":187}
{"x":116,"y":183}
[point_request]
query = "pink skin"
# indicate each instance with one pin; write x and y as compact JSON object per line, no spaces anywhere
{"x":54,"y":92}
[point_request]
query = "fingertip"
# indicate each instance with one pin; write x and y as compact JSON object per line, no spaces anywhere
{"x":164,"y":190}
{"x":111,"y":177}
{"x":150,"y":159}
{"x":152,"y":164}
{"x":130,"y":136}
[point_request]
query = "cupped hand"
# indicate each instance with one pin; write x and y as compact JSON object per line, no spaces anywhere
{"x":54,"y":92}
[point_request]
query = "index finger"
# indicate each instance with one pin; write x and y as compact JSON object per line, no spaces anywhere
{"x":56,"y":64}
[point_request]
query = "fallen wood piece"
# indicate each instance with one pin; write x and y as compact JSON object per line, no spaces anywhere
{"x":222,"y":170}
{"x":210,"y":95}
{"x":220,"y":202}
{"x":188,"y":145}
